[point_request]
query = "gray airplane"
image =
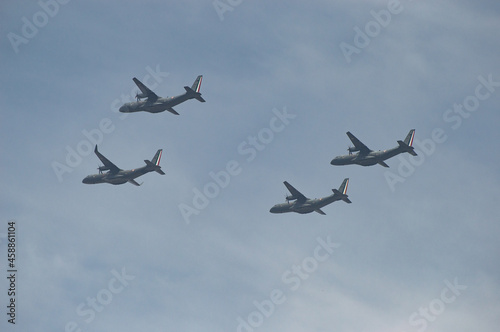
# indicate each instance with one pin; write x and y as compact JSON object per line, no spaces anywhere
{"x":156,"y":104}
{"x":297,"y":202}
{"x":367,"y":157}
{"x":116,"y":175}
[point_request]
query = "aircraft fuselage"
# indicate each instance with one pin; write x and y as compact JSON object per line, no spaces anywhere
{"x":310,"y":205}
{"x":160,"y":105}
{"x":369,"y":159}
{"x":121,"y":177}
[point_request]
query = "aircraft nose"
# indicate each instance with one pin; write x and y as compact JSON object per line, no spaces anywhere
{"x":86,"y":180}
{"x":124,"y":109}
{"x":273,"y":209}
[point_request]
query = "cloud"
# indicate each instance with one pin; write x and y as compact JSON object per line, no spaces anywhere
{"x":397,"y":247}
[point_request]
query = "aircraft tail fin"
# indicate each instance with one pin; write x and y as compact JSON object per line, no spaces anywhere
{"x":409,"y":138}
{"x":197,"y":84}
{"x":154,"y":164}
{"x":342,"y":191}
{"x":406,"y":145}
{"x":194,"y":90}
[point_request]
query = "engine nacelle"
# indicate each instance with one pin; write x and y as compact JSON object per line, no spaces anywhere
{"x":352,"y":149}
{"x":103,"y":168}
{"x":291,"y":198}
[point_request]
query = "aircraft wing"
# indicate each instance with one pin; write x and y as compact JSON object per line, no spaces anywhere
{"x":171,"y":110}
{"x":145,"y":90}
{"x":297,"y":194}
{"x":134,"y":182}
{"x":112,"y":167}
{"x":320,"y":212}
{"x":383,"y":164}
{"x":357,"y":144}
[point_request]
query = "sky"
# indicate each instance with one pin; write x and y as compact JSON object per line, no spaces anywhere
{"x":197,"y":249}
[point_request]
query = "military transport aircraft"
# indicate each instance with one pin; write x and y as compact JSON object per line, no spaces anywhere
{"x":116,"y":175}
{"x":156,"y":104}
{"x":302,"y":204}
{"x":367,"y":157}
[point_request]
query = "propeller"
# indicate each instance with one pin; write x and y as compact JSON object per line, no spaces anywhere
{"x":139,"y":96}
{"x":102,"y":168}
{"x":352,"y":149}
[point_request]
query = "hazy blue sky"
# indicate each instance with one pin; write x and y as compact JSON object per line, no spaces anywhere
{"x":418,"y":248}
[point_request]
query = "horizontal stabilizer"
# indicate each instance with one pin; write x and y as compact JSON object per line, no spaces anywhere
{"x":406,"y":145}
{"x":341,"y":196}
{"x":407,"y":148}
{"x":194,"y":90}
{"x":154,"y":164}
{"x":193,"y":94}
{"x":342,"y":191}
{"x":154,"y":167}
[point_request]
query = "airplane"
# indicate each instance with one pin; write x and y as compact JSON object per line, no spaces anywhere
{"x":116,"y":175}
{"x":156,"y":104}
{"x":301,"y":204}
{"x":367,"y":157}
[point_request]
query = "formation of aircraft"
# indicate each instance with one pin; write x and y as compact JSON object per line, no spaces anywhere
{"x":115,"y":175}
{"x":367,"y":157}
{"x":152,"y":104}
{"x":156,"y":104}
{"x":297,"y":202}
